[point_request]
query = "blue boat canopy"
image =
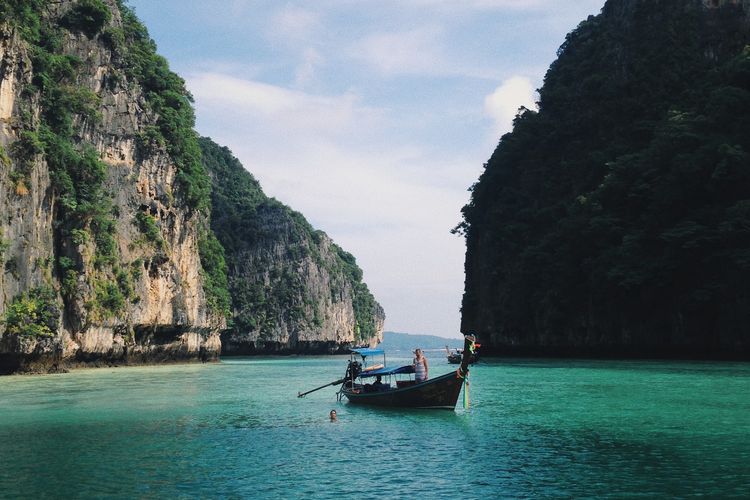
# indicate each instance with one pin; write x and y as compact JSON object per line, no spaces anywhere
{"x":366,"y":351}
{"x":388,"y":371}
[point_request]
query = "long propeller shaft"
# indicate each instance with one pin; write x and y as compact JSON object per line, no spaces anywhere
{"x":336,"y":382}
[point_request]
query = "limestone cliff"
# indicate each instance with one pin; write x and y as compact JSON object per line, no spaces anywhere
{"x":292,"y":288}
{"x":99,"y":196}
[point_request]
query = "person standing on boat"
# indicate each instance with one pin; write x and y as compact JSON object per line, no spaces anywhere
{"x":420,"y":366}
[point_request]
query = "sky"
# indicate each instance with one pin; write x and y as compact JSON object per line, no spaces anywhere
{"x":371,"y":117}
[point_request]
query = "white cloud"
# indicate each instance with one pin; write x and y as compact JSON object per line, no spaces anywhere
{"x":277,"y":107}
{"x":479,"y":4}
{"x":305,"y":72}
{"x":294,"y":23}
{"x":503,"y":104}
{"x":238,"y":8}
{"x":323,"y":152}
{"x":406,"y":52}
{"x":453,"y":5}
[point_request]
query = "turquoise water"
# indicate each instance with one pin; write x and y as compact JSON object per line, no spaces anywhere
{"x":536,"y":429}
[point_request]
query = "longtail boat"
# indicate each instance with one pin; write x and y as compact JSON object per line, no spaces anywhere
{"x":454,"y":357}
{"x":440,"y":392}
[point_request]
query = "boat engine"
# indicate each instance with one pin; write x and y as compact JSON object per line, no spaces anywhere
{"x":353,"y":369}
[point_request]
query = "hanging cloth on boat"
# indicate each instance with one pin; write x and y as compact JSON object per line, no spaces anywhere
{"x":467,"y":404}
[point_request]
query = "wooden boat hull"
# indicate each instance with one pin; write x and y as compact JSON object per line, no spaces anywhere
{"x":441,"y":392}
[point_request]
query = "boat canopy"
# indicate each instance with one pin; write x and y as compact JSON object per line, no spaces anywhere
{"x":366,"y":351}
{"x":388,"y":371}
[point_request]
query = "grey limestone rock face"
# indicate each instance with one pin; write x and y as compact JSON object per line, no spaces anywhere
{"x":322,"y":318}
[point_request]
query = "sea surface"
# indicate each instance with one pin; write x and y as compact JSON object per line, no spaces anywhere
{"x":235,"y":429}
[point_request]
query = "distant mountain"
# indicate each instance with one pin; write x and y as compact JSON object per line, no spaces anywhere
{"x":393,"y":341}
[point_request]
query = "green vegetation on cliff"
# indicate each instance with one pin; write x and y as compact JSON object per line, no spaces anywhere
{"x":618,"y":215}
{"x":87,"y":16}
{"x":24,"y":14}
{"x":33,"y":314}
{"x":214,"y":273}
